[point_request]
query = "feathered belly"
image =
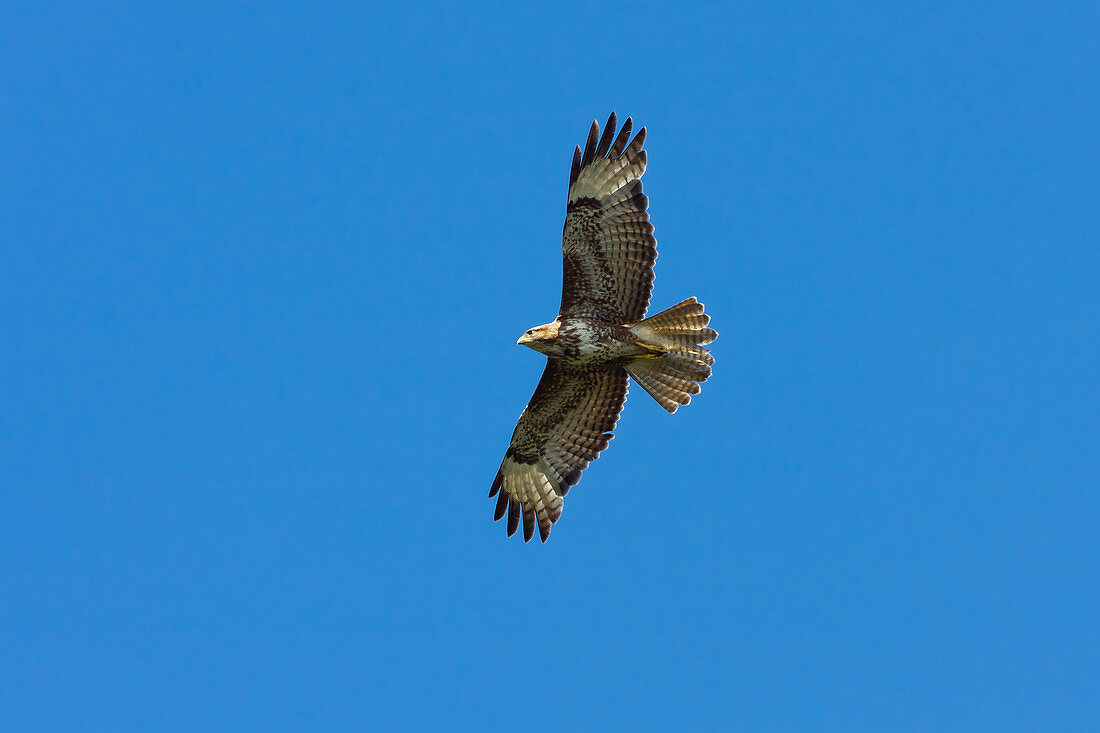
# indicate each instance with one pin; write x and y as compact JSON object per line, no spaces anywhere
{"x":593,"y":342}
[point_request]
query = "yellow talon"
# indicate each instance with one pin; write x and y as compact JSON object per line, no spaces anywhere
{"x":653,"y":351}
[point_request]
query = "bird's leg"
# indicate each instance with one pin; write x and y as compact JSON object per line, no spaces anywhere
{"x":652,"y":351}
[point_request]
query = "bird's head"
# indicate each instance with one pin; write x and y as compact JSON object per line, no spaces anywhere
{"x":540,"y":338}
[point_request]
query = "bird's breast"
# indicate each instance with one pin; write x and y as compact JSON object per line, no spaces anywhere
{"x":583,"y":341}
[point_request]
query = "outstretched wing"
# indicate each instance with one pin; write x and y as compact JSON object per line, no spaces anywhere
{"x":565,"y":426}
{"x":607,"y":244}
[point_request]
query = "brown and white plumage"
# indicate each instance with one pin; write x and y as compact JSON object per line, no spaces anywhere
{"x":600,"y":336}
{"x":565,"y":426}
{"x":608,"y":249}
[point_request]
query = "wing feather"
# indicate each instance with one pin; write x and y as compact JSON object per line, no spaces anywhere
{"x":590,"y":146}
{"x":608,"y":249}
{"x":568,"y":421}
{"x":620,"y":141}
{"x":608,"y":134}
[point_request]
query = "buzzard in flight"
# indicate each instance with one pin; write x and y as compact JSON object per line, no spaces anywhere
{"x":600,"y":336}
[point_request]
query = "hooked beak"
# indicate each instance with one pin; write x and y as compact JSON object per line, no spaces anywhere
{"x":524,"y":340}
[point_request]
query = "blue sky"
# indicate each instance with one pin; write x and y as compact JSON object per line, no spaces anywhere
{"x":262,"y":270}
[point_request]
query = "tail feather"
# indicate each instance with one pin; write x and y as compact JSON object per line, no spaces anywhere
{"x":684,"y":324}
{"x":681,"y":332}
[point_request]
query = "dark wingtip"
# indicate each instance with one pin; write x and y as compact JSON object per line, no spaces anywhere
{"x":502,"y":506}
{"x":497,"y":482}
{"x":620,"y":141}
{"x":528,"y":523}
{"x":513,"y":516}
{"x":608,"y":135}
{"x":576,"y":169}
{"x":590,"y":145}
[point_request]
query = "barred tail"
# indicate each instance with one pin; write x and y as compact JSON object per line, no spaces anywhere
{"x":678,"y":362}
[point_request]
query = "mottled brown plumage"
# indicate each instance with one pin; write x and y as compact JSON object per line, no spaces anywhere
{"x":599,"y":337}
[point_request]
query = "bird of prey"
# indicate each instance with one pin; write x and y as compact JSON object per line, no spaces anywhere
{"x":600,"y":336}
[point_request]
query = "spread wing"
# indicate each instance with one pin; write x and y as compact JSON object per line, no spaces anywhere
{"x":565,"y":426}
{"x":607,"y":244}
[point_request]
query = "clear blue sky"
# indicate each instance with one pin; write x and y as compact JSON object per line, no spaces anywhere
{"x":262,"y":271}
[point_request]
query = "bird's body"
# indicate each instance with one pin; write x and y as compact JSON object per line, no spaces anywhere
{"x":600,"y":336}
{"x":581,"y":341}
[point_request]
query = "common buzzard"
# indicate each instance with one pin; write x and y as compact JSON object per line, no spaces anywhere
{"x":600,"y":336}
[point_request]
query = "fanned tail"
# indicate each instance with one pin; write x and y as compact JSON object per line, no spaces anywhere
{"x":678,"y":362}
